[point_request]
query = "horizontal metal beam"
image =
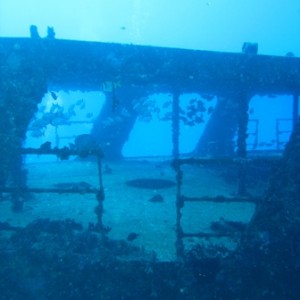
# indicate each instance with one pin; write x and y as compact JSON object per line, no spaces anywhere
{"x":74,"y":190}
{"x":81,"y":65}
{"x":60,"y":151}
{"x":206,"y":235}
{"x":226,"y":161}
{"x":220,"y":199}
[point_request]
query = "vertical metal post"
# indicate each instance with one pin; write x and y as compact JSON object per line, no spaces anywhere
{"x":57,"y":138}
{"x":241,"y":141}
{"x":277,"y":129}
{"x":175,"y":125}
{"x":100,"y":198}
{"x":176,"y":165}
{"x":295,"y":109}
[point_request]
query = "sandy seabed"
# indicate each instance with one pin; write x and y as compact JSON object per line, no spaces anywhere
{"x":128,"y":209}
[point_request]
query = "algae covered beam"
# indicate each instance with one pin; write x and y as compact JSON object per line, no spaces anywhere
{"x":84,"y":65}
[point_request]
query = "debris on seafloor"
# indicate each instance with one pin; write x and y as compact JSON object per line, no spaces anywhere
{"x":156,"y":198}
{"x":132,"y":236}
{"x":81,"y":186}
{"x":226,"y":227}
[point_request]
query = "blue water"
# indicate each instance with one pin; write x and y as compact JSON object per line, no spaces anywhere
{"x":111,"y":190}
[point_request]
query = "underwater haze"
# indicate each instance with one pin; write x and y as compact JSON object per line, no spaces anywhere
{"x":193,"y":24}
{"x":149,"y":149}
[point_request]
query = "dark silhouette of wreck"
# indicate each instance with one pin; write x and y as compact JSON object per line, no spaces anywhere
{"x":32,"y":67}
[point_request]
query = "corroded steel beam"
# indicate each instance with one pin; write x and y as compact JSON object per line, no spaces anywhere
{"x":82,"y":65}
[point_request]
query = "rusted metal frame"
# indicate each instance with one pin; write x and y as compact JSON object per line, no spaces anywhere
{"x":49,"y":190}
{"x":179,"y":174}
{"x":254,"y":133}
{"x":224,"y":161}
{"x":220,"y":199}
{"x":99,"y":210}
{"x":295,"y":109}
{"x":208,"y":235}
{"x":243,"y":118}
{"x":64,"y":153}
{"x":59,"y":151}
